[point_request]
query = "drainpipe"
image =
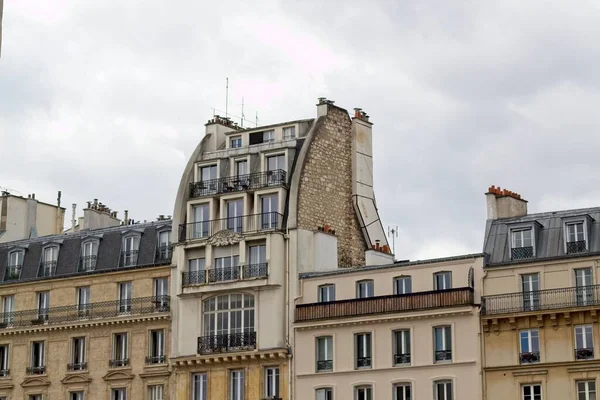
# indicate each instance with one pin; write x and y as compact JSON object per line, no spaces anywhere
{"x":287,"y":313}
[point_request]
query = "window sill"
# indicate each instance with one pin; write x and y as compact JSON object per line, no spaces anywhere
{"x":404,"y":365}
{"x":443,"y":362}
{"x":321,"y":371}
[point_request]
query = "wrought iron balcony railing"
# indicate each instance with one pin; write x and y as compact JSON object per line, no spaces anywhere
{"x":549,"y":299}
{"x":443,"y":355}
{"x":119,"y":362}
{"x":100,"y":310}
{"x":78,"y":366}
{"x":385,"y":304}
{"x":401,"y":359}
{"x":128,"y":258}
{"x":520,"y":253}
{"x":164,"y":253}
{"x":87,"y":263}
{"x":269,"y":221}
{"x":324,"y":365}
{"x":362,"y":362}
{"x":156,"y":359}
{"x":529,"y":357}
{"x":584,"y":353}
{"x":47,"y":268}
{"x":35,"y":370}
{"x":227,"y":343}
{"x":238,"y":183}
{"x":236,"y":273}
{"x":13,"y":272}
{"x":576,"y":247}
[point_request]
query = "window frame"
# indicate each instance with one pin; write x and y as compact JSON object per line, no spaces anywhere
{"x":405,"y":333}
{"x":123,"y":357}
{"x":587,"y":390}
{"x":207,"y":313}
{"x":403,"y":279}
{"x":199,"y":386}
{"x":5,"y":360}
{"x":368,"y":394}
{"x":327,"y":393}
{"x":530,"y":344}
{"x":448,"y":394}
{"x":159,"y":391}
{"x":328,"y":346}
{"x":532,"y":396}
{"x":118,"y":393}
{"x":235,"y":142}
{"x":442,"y":274}
{"x":405,"y":385}
{"x":444,"y":329}
{"x":370,"y":283}
{"x":329,"y":289}
{"x":272,"y":383}
{"x":586,"y":329}
{"x":237,"y":386}
{"x":78,"y":352}
{"x":156,"y":346}
{"x":367,"y":345}
{"x":40,"y":361}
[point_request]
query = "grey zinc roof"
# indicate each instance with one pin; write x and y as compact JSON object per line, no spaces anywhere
{"x":549,"y":243}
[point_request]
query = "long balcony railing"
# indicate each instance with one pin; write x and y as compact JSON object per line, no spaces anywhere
{"x":13,"y":272}
{"x":47,"y":268}
{"x":385,"y":304}
{"x":77,"y":366}
{"x":87,"y":263}
{"x":91,"y":311}
{"x":268,"y":221}
{"x":227,"y":343}
{"x":236,"y":273}
{"x":238,"y":183}
{"x":35,"y":370}
{"x":549,"y":299}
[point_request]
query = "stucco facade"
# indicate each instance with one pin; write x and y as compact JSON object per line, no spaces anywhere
{"x":23,"y":218}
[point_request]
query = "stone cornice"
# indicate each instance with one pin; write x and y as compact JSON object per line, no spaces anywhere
{"x":230,"y":358}
{"x":572,"y":366}
{"x":159,"y":372}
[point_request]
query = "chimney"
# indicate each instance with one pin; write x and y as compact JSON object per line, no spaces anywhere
{"x":73,"y":217}
{"x":126,"y":217}
{"x":323,"y":106}
{"x":503,"y":203}
{"x":31,"y":217}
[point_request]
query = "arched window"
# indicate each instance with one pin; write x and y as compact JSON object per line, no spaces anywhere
{"x":228,"y":323}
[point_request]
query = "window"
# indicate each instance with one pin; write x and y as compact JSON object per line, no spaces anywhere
{"x":199,"y":387}
{"x":229,"y":321}
{"x":156,"y":392}
{"x":235,"y":212}
{"x":258,"y":262}
{"x":276,"y":169}
{"x":443,"y":390}
{"x":326,"y":293}
{"x":35,"y":397}
{"x":83,"y":301}
{"x":363,"y":350}
{"x":586,"y":390}
{"x":289,"y":132}
{"x":37,"y":360}
{"x":196,"y":271}
{"x":522,"y":244}
{"x":125,"y":297}
{"x":208,"y":173}
{"x":271,"y":382}
{"x":130,"y":251}
{"x":236,"y":142}
{"x":48,"y":264}
{"x":226,"y":269}
{"x":575,"y":237}
{"x":363,"y":393}
{"x":402,"y":391}
{"x":4,"y":354}
{"x":584,"y":293}
{"x":324,"y":394}
{"x":43,"y":299}
{"x":324,"y":353}
{"x":241,"y":168}
{"x":76,"y":396}
{"x":8,"y":309}
{"x":15,"y":264}
{"x":236,"y":385}
{"x":530,"y":346}
{"x":269,"y":211}
{"x":78,"y":354}
{"x":402,"y":347}
{"x":163,"y":251}
{"x":120,"y":350}
{"x":201,"y":224}
{"x":442,"y":280}
{"x":442,"y":337}
{"x":364,"y":289}
{"x":531,"y":295}
{"x":156,"y":348}
{"x":584,"y":344}
{"x":268,"y":136}
{"x":118,"y":394}
{"x":89,"y":252}
{"x":402,"y":285}
{"x":532,"y":392}
{"x":161,"y":293}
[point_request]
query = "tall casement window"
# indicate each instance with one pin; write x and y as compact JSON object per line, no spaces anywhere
{"x":362,"y":345}
{"x":584,"y":293}
{"x":532,"y":391}
{"x":156,"y":392}
{"x":324,"y":353}
{"x":78,"y":362}
{"x":89,"y":252}
{"x":199,"y":387}
{"x":156,"y":347}
{"x":120,"y":350}
{"x":235,"y":215}
{"x":402,"y":347}
{"x":531,"y":295}
{"x":15,"y":265}
{"x":43,"y":300}
{"x":271,"y":382}
{"x":201,"y":222}
{"x":236,"y":142}
{"x":208,"y":174}
{"x":402,"y":285}
{"x":522,"y":244}
{"x":442,"y":280}
{"x":226,"y":269}
{"x":118,"y":394}
{"x":324,"y":394}
{"x":402,"y":391}
{"x":269,"y":211}
{"x":584,"y":343}
{"x":35,"y":397}
{"x":326,"y":293}
{"x":443,"y":390}
{"x":83,"y":301}
{"x":8,"y":309}
{"x":161,"y":293}
{"x":196,"y":271}
{"x":129,"y":255}
{"x":586,"y":390}
{"x":49,"y":259}
{"x":363,"y":392}
{"x":76,"y":396}
{"x":258,"y":262}
{"x":236,"y":384}
{"x":38,"y":358}
{"x":276,"y":169}
{"x":125,"y":297}
{"x":4,"y":358}
{"x":163,"y":249}
{"x":289,"y":132}
{"x":530,"y":346}
{"x":365,"y":288}
{"x":442,"y":341}
{"x":228,"y":322}
{"x":268,"y":136}
{"x":241,"y":169}
{"x":575,"y":237}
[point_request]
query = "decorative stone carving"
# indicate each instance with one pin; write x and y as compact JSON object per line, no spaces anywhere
{"x":34,"y":381}
{"x":76,"y":379}
{"x":118,"y":375}
{"x":224,"y":237}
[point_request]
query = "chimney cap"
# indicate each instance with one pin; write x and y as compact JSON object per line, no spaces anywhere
{"x":499,"y":192}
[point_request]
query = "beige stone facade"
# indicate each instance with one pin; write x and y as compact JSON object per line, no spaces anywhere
{"x":24,"y":218}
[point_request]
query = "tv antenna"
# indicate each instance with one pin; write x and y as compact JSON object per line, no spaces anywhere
{"x":226,"y":96}
{"x":393,"y":233}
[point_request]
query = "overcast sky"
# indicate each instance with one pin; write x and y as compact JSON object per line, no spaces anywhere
{"x":107,"y":99}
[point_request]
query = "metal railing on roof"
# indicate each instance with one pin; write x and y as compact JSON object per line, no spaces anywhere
{"x":237,"y":183}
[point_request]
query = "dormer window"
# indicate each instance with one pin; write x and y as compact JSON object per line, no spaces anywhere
{"x":163,"y":251}
{"x":289,"y":132}
{"x":576,"y":238}
{"x":89,"y":254}
{"x":15,"y":265}
{"x":49,"y":259}
{"x":522,"y":244}
{"x":129,"y":255}
{"x":236,"y":142}
{"x":268,"y":136}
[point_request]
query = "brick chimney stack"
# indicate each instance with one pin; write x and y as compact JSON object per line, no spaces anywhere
{"x":503,"y":203}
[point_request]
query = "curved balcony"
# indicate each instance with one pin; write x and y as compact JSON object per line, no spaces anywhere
{"x":253,"y":223}
{"x":238,"y":183}
{"x":227,"y":343}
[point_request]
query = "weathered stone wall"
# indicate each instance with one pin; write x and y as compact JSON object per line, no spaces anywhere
{"x":325,"y":193}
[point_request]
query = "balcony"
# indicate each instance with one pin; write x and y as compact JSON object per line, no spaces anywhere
{"x":35,"y":370}
{"x":128,"y":258}
{"x":87,"y":263}
{"x":79,"y":366}
{"x":92,"y":311}
{"x":400,"y":359}
{"x":550,"y":299}
{"x":227,"y":343}
{"x":324,"y":365}
{"x":521,"y":253}
{"x":443,"y":355}
{"x":239,"y":183}
{"x":363,"y":362}
{"x":584,"y":353}
{"x":47,"y":268}
{"x":4,"y":372}
{"x":576,"y":247}
{"x":530,"y":357}
{"x":253,"y":223}
{"x":118,"y":363}
{"x":229,"y":274}
{"x":156,"y":360}
{"x":13,"y":272}
{"x":385,"y":304}
{"x":164,"y":253}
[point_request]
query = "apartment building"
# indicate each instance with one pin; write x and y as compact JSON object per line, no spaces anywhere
{"x":254,"y":208}
{"x":402,"y":331}
{"x":540,"y":306}
{"x":86,"y":315}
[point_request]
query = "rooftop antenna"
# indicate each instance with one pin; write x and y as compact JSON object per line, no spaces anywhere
{"x":393,"y":233}
{"x":243,"y":116}
{"x":226,"y":96}
{"x":257,"y":118}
